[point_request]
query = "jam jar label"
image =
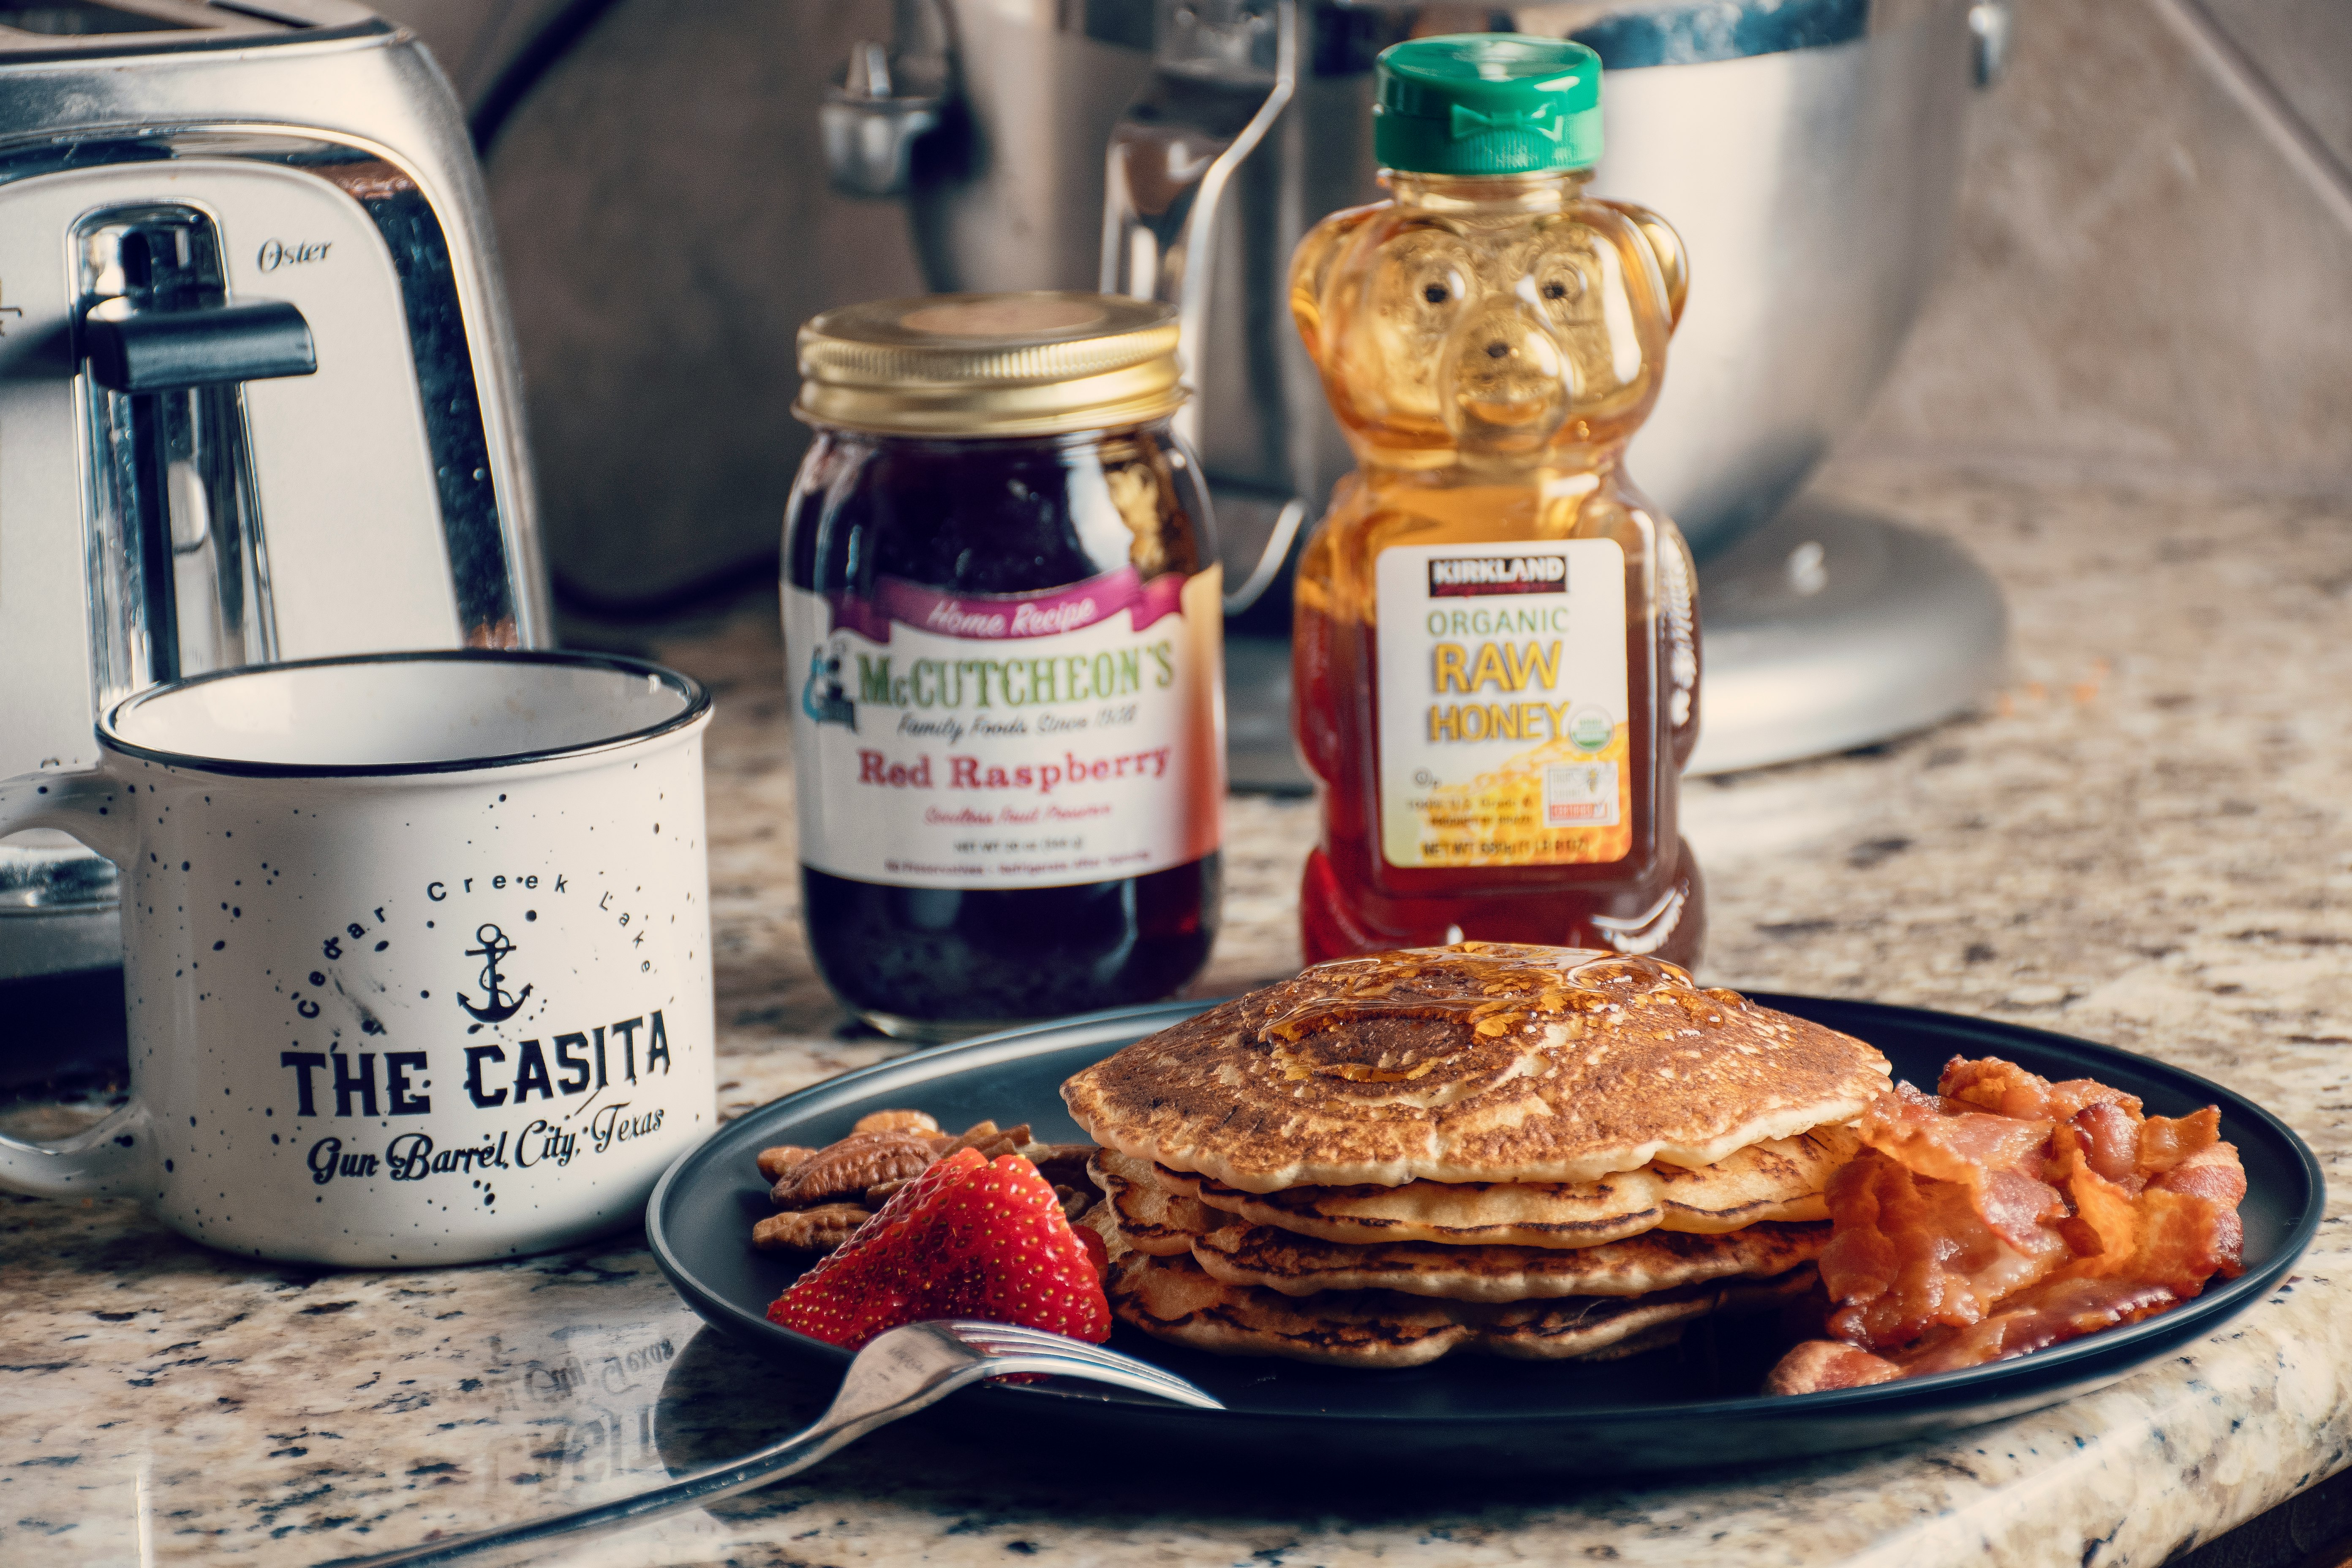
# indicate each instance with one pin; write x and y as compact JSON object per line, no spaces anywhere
{"x":1008,"y":739}
{"x":1503,"y":719}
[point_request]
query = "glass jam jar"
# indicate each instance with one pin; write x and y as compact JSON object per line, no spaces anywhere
{"x":1002,"y":632}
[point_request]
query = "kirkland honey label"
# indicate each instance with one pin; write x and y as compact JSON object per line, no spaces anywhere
{"x":1007,"y":739}
{"x":1503,"y":718}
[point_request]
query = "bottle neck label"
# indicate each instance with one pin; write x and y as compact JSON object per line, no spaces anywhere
{"x":1504,"y":722}
{"x":1008,"y":740}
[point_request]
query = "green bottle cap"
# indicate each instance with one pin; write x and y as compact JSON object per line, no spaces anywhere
{"x":1486,"y":103}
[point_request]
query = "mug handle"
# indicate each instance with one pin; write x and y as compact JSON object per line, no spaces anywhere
{"x":111,"y":1159}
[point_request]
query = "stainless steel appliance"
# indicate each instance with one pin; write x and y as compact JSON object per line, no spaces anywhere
{"x":1808,"y":150}
{"x":256,"y":389}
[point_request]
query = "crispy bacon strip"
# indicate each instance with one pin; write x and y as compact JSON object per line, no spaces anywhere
{"x":2007,"y":1089}
{"x":2050,"y":1313}
{"x":2008,"y":1215}
{"x":2171,"y":1219}
{"x":1909,"y":1254}
{"x":1818,"y":1365}
{"x":1997,"y":1158}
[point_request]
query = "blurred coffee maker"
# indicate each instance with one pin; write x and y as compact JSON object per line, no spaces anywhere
{"x":257,"y":384}
{"x":1808,"y":150}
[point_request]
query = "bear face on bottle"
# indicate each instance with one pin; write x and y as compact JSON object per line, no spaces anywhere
{"x":1507,"y":321}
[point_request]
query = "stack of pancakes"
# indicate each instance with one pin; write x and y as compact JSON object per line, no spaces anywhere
{"x":1535,"y":1152}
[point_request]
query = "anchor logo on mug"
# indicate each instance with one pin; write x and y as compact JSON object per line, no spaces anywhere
{"x":495,"y":946}
{"x":408,"y":983}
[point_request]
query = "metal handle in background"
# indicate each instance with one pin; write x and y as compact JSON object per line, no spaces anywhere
{"x":1175,"y":149}
{"x":877,"y":109}
{"x":1270,"y":559}
{"x":180,"y":566}
{"x":212,"y":345}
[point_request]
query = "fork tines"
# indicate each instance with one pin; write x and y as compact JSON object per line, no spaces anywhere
{"x":973,"y":1331}
{"x":1010,"y":1339}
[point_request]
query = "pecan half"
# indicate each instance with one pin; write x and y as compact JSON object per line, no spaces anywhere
{"x":775,"y":1162}
{"x":847,"y":1168}
{"x":977,"y":1132}
{"x":820,"y":1229}
{"x":896,"y":1122}
{"x":1075,"y":1201}
{"x":991,"y":1140}
{"x":880,"y":1191}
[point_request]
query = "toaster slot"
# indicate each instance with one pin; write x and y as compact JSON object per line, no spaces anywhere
{"x":179,"y":565}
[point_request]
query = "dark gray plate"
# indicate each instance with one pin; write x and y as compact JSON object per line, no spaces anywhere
{"x":1691,"y":1406}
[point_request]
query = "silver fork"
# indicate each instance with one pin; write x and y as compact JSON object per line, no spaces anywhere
{"x":898,"y":1374}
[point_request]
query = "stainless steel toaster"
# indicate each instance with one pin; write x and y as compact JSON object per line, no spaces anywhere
{"x":258,"y":396}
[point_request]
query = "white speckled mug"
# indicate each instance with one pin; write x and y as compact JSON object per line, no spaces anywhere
{"x":417,"y":952}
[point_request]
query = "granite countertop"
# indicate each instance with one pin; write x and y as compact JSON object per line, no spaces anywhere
{"x":2142,"y":839}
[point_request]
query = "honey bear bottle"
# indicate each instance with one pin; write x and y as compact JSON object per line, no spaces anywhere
{"x":1496,"y":653}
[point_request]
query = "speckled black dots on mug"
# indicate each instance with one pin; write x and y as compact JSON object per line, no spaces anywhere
{"x":393,"y":1010}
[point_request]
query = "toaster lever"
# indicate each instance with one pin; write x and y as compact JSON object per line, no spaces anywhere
{"x":172,"y":351}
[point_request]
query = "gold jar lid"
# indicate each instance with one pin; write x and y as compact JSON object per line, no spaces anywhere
{"x":990,"y":364}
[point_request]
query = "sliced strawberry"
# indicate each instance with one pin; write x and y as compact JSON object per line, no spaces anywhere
{"x":1097,"y":1250}
{"x":967,"y":1238}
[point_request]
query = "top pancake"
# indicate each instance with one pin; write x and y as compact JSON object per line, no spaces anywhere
{"x":1480,"y":1062}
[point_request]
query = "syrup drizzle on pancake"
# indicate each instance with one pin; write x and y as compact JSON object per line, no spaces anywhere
{"x":1480,"y":1062}
{"x":1514,"y":982}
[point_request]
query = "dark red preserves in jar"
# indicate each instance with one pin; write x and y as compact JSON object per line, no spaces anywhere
{"x":1003,"y":624}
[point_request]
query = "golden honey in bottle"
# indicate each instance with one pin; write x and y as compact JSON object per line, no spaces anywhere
{"x":1496,"y":653}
